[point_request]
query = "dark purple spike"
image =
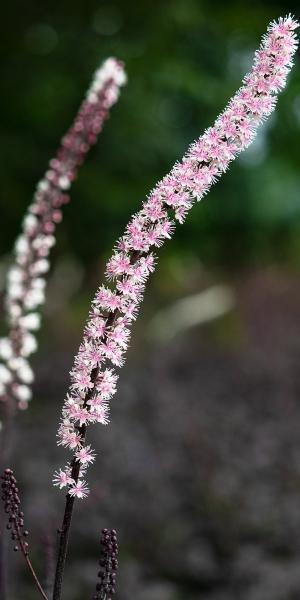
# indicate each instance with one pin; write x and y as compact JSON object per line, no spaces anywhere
{"x":109,"y":563}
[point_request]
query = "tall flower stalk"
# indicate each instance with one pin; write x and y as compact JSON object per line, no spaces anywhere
{"x":15,"y":522}
{"x":26,"y":277}
{"x":115,"y":307}
{"x":107,"y":575}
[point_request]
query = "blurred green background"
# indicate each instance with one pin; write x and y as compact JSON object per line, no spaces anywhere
{"x":200,"y":468}
{"x":184,"y":60}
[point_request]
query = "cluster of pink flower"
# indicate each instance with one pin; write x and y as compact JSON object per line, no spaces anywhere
{"x":26,"y":278}
{"x":106,"y":336}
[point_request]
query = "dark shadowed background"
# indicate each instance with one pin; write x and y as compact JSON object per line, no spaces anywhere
{"x":199,"y":470}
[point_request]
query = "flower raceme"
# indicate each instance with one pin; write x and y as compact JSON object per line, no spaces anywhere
{"x":107,"y":332}
{"x":26,"y":278}
{"x":15,"y":521}
{"x":106,"y":587}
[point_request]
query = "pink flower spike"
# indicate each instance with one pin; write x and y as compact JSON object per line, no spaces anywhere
{"x":132,"y":262}
{"x":26,"y":278}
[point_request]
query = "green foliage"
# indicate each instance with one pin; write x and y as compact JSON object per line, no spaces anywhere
{"x":184,"y":60}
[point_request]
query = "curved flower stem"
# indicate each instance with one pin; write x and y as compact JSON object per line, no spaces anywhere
{"x":3,"y":588}
{"x":6,"y":443}
{"x":170,"y":201}
{"x":34,"y":575}
{"x":15,"y":516}
{"x":67,"y":518}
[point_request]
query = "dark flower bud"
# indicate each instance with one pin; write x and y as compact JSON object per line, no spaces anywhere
{"x":11,"y":502}
{"x":109,"y":563}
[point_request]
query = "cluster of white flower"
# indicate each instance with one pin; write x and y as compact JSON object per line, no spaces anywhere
{"x":26,"y":278}
{"x":110,"y":70}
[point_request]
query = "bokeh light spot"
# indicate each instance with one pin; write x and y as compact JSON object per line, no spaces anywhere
{"x":41,"y":39}
{"x":107,"y":20}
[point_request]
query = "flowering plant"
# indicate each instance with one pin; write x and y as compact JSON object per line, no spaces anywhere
{"x":115,"y":306}
{"x":26,"y":277}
